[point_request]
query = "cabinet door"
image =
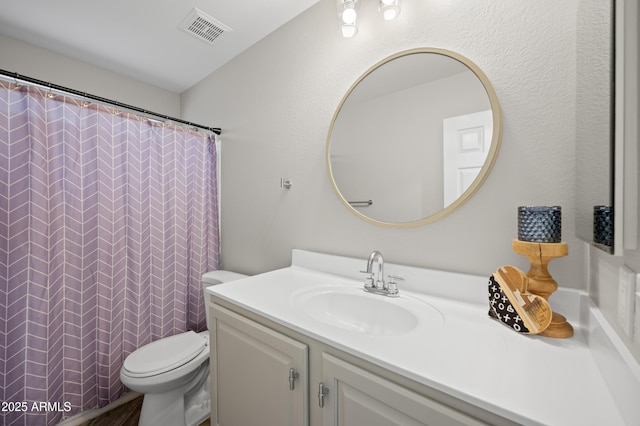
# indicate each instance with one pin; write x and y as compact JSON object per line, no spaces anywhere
{"x":258,"y":376}
{"x":357,"y":397}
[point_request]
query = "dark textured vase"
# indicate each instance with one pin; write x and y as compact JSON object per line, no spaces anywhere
{"x":540,"y":224}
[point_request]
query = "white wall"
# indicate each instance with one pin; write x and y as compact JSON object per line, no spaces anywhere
{"x":275,"y":102}
{"x":33,"y":61}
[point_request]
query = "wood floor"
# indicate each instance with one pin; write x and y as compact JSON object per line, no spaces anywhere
{"x":125,"y":415}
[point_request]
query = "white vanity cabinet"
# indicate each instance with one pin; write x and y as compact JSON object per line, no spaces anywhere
{"x":358,"y":397}
{"x":258,"y":376}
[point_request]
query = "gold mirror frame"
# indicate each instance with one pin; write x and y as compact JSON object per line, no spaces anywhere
{"x":484,"y":171}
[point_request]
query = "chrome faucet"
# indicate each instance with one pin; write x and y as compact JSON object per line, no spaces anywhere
{"x":379,"y":285}
{"x":373,"y":257}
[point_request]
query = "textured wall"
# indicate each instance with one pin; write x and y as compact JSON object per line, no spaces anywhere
{"x":33,"y":61}
{"x":276,"y":100}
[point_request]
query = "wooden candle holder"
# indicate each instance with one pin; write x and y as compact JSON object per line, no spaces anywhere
{"x":540,"y":281}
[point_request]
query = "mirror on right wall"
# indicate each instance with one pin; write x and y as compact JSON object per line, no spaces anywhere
{"x":598,"y":203}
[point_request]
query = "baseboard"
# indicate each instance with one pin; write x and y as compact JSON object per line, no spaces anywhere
{"x":87,"y":415}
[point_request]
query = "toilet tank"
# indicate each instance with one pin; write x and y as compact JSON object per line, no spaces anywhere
{"x":213,"y":278}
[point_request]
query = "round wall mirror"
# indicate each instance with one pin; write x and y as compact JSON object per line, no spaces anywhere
{"x":414,"y":138}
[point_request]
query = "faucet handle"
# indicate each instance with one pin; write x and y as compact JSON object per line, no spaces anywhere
{"x":393,"y":283}
{"x":368,"y":282}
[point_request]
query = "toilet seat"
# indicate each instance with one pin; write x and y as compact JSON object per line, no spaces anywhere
{"x":164,"y":355}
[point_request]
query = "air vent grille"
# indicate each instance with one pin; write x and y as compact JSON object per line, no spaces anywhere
{"x":202,"y":26}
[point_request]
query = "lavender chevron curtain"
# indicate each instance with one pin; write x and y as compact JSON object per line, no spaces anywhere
{"x":107,"y":222}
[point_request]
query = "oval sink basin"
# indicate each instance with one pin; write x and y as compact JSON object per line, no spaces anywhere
{"x":353,"y":309}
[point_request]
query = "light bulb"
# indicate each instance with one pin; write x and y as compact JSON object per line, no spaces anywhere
{"x":348,"y":30}
{"x":349,"y":14}
{"x":390,"y":13}
{"x":390,"y":9}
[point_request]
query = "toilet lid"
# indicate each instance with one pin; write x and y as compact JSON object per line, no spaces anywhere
{"x":165,"y":354}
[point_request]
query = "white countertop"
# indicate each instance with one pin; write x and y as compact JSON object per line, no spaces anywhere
{"x":531,"y":380}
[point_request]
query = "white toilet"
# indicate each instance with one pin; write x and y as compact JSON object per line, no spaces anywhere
{"x":173,"y":373}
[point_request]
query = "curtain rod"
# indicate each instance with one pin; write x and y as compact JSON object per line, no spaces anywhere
{"x":17,"y":76}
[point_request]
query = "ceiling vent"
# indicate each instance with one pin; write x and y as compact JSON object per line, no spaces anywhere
{"x":202,"y":26}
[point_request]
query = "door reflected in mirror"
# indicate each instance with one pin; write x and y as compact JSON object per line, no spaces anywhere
{"x":414,"y":138}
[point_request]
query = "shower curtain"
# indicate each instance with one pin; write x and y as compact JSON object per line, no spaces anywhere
{"x":107,"y":221}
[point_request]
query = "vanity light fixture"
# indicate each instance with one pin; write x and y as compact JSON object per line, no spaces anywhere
{"x":348,"y":14}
